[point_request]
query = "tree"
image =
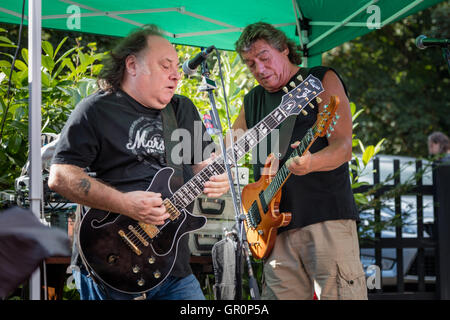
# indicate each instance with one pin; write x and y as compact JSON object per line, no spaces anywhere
{"x":404,"y":91}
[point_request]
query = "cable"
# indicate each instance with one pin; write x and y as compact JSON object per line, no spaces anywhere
{"x":11,"y":72}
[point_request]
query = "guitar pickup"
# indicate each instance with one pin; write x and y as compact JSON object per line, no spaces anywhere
{"x":151,"y":230}
{"x":171,"y":209}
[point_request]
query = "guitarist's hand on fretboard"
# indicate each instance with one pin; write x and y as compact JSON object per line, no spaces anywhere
{"x":300,"y":165}
{"x":217,"y":185}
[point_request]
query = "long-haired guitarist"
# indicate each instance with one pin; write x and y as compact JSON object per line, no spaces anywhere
{"x":125,"y":133}
{"x":318,"y":252}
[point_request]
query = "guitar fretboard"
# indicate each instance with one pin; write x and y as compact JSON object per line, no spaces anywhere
{"x":194,"y":187}
{"x":284,"y":172}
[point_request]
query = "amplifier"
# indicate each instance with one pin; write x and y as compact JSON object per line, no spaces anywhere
{"x":202,"y":241}
{"x":221,"y":218}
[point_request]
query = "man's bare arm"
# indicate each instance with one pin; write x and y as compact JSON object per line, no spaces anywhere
{"x":73,"y":183}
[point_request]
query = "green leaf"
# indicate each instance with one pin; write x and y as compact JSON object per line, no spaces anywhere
{"x":24,"y":53}
{"x":5,"y":39}
{"x":360,"y":198}
{"x":65,"y":54}
{"x":48,"y":63}
{"x":368,"y":154}
{"x":378,"y":146}
{"x":48,"y":48}
{"x":19,"y":64}
{"x":59,"y":46}
{"x":14,"y":143}
{"x":5,"y":63}
{"x":352,"y":107}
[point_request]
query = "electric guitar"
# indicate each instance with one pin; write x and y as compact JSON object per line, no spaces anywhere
{"x":261,"y":199}
{"x":134,"y":257}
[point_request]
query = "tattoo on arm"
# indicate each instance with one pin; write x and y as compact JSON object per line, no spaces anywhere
{"x":84,"y":186}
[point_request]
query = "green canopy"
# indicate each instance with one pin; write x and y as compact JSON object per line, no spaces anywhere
{"x":325,"y":24}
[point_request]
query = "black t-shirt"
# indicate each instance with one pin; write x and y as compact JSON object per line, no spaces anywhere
{"x":311,"y":198}
{"x":122,"y":141}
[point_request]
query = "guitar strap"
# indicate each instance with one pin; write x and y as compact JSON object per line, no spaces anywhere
{"x":287,"y":127}
{"x":169,"y":122}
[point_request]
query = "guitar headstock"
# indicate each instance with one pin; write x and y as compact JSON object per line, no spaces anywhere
{"x":295,"y":100}
{"x":327,"y":118}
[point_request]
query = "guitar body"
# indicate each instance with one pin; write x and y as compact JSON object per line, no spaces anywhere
{"x":131,"y":261}
{"x":261,"y":199}
{"x":261,"y":235}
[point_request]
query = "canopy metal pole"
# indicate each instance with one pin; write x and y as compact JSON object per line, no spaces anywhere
{"x":401,"y":12}
{"x":299,"y":31}
{"x":341,"y":24}
{"x":34,"y":132}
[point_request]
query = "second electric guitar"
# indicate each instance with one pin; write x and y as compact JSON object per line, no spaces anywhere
{"x":261,"y":199}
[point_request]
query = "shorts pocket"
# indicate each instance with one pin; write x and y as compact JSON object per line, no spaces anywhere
{"x":351,"y":281}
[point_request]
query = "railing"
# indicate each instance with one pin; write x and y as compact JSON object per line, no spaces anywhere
{"x":431,"y":263}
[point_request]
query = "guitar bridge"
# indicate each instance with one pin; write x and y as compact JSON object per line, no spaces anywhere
{"x":138,"y":235}
{"x":130,"y":243}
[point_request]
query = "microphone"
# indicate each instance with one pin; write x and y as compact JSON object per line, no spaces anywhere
{"x":422,"y":42}
{"x":190,"y":66}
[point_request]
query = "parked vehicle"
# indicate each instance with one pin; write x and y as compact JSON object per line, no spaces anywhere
{"x":408,"y":205}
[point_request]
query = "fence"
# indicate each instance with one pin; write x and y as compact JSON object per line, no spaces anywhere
{"x":422,"y":263}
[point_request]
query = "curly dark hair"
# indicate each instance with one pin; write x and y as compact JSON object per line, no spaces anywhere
{"x":111,"y":75}
{"x":273,"y":36}
{"x":441,"y":139}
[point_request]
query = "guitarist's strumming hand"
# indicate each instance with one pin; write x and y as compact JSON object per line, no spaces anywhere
{"x":146,"y":207}
{"x":300,"y":165}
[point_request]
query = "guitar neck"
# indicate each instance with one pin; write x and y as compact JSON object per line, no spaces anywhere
{"x":292,"y":103}
{"x":283,"y":174}
{"x":194,"y":187}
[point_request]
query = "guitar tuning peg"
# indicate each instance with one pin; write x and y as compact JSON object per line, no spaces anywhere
{"x":311,"y":105}
{"x":318,"y":100}
{"x":292,"y":84}
{"x":299,"y":77}
{"x":337,"y":117}
{"x":325,"y":106}
{"x":305,"y":113}
{"x":328,"y":135}
{"x":331,"y":129}
{"x":334,"y":122}
{"x":286,"y":90}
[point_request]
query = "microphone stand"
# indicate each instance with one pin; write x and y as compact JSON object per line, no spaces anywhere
{"x":242,"y":245}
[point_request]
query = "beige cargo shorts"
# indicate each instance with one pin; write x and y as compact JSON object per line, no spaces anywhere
{"x":322,"y":258}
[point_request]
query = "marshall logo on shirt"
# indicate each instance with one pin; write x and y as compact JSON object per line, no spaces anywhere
{"x":145,"y":140}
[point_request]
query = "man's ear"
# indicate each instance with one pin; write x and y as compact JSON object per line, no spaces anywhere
{"x":130,"y":64}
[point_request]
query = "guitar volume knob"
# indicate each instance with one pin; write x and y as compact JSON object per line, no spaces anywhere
{"x":140,"y":282}
{"x":136,"y":269}
{"x":157,"y":274}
